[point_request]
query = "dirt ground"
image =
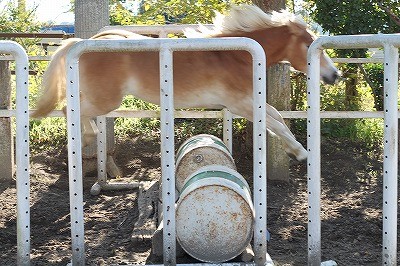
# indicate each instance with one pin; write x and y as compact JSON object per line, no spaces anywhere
{"x":351,"y":208}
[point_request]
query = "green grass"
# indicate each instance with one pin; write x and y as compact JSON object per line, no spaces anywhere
{"x":52,"y":130}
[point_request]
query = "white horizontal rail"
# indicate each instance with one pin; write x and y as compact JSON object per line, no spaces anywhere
{"x":375,"y":60}
{"x":219,"y":114}
{"x":161,"y":31}
{"x":336,"y":60}
{"x":31,"y":58}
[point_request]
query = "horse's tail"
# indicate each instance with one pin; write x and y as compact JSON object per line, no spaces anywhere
{"x":54,"y":81}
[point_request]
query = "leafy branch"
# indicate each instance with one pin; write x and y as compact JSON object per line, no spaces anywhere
{"x":393,"y":16}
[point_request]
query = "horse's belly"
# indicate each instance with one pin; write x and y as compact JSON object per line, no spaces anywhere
{"x":184,"y":96}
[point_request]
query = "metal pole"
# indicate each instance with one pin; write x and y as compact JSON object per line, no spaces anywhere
{"x":314,"y":156}
{"x":22,"y":150}
{"x":167,"y":154}
{"x":22,"y":154}
{"x":227,"y":129}
{"x":101,"y":156}
{"x":390,"y":153}
{"x":75,"y":163}
{"x":260,"y":158}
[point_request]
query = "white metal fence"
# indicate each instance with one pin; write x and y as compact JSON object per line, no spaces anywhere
{"x":390,"y":43}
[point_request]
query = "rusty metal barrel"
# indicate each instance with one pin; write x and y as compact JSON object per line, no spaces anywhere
{"x":199,"y":151}
{"x":214,"y":214}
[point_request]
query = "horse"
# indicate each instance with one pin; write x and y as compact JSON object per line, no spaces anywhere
{"x":203,"y":79}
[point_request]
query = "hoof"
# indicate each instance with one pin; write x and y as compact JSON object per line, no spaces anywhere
{"x":300,"y":155}
{"x":95,"y":190}
{"x":88,"y":140}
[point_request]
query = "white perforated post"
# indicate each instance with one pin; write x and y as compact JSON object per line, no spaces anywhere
{"x":75,"y":161}
{"x":227,"y":129}
{"x":260,"y":157}
{"x":101,"y":156}
{"x":390,"y":153}
{"x":102,"y":149}
{"x":167,"y":155}
{"x":22,"y":157}
{"x":314,"y":157}
{"x":22,"y":150}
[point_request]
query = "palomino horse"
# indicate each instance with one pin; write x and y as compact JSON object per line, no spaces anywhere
{"x":206,"y":79}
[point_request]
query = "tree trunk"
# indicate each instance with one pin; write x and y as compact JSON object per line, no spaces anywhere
{"x":7,"y":167}
{"x":352,"y":97}
{"x":270,"y":5}
{"x":90,"y":17}
{"x":278,"y":95}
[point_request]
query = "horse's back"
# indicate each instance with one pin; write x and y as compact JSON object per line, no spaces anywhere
{"x":118,"y":34}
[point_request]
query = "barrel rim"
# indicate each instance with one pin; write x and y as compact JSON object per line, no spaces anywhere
{"x":219,"y":143}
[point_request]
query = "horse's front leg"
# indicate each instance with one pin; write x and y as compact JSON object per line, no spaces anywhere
{"x":277,"y":125}
{"x":271,"y":111}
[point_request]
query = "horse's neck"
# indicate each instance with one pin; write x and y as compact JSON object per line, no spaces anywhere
{"x":273,"y":41}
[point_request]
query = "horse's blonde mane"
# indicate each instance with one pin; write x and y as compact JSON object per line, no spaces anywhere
{"x":246,"y":18}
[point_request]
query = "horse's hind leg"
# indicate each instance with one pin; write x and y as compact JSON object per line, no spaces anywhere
{"x":88,"y":128}
{"x":90,"y":131}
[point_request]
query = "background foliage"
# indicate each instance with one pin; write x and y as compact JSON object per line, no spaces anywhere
{"x":361,"y":87}
{"x":155,"y":12}
{"x":357,"y":17}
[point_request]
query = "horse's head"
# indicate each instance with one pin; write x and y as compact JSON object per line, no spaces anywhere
{"x":286,"y":37}
{"x":283,"y":36}
{"x":296,"y":53}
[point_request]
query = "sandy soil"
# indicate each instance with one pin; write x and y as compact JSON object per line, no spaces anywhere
{"x":351,"y":208}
